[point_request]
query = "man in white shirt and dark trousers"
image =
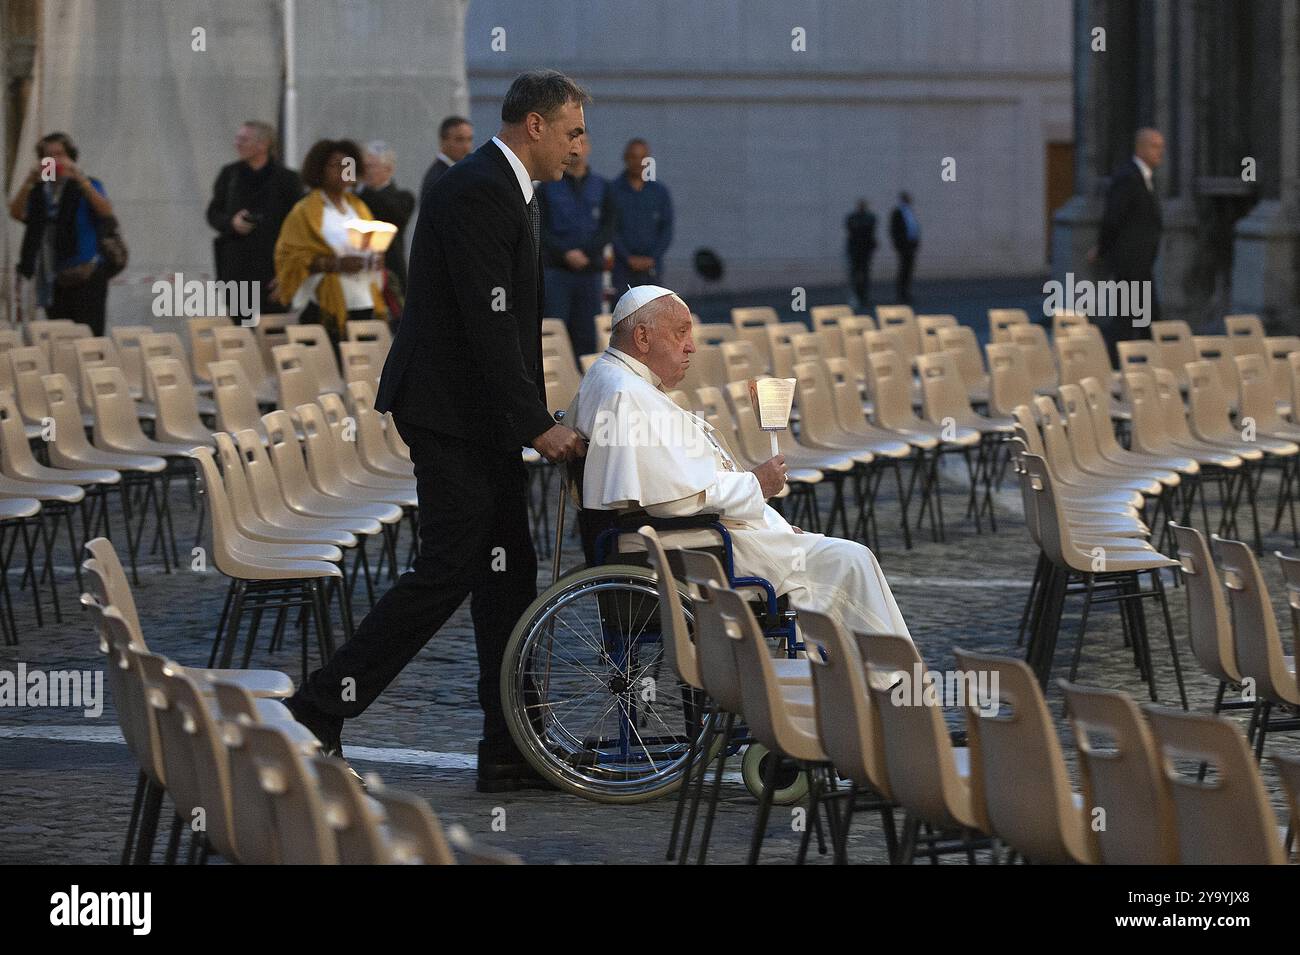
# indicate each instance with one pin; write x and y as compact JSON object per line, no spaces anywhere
{"x":1130,"y":232}
{"x":464,"y":383}
{"x":905,"y":233}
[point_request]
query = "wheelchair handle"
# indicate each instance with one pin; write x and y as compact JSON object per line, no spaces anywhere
{"x":559,"y":516}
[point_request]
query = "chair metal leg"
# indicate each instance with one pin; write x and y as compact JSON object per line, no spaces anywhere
{"x":232,"y":625}
{"x":911,"y":830}
{"x":141,"y":781}
{"x":764,"y":806}
{"x":1083,"y":626}
{"x":902,"y":504}
{"x":29,"y":571}
{"x":221,"y":626}
{"x":1169,"y":631}
{"x":148,"y":829}
{"x":174,"y":840}
{"x":891,"y":834}
{"x":1039,"y":567}
{"x":814,"y":807}
{"x":691,"y":753}
{"x":1264,"y":716}
{"x":698,"y":794}
{"x":716,"y":792}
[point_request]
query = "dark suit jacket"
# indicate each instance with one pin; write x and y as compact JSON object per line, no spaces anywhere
{"x":1130,"y":225}
{"x":270,"y":192}
{"x":467,"y":359}
{"x":861,"y":227}
{"x":898,"y":232}
{"x":432,"y":175}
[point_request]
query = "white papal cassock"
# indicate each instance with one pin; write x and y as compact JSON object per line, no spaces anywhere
{"x":644,"y":451}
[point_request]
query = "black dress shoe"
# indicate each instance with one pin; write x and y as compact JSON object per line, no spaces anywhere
{"x":503,"y":769}
{"x":328,"y":729}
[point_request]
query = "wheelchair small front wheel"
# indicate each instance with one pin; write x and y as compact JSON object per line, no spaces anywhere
{"x":588,"y":693}
{"x":791,"y":782}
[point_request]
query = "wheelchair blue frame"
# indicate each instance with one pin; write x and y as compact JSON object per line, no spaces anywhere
{"x":620,"y":653}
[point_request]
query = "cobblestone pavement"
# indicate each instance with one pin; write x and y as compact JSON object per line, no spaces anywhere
{"x":66,"y":785}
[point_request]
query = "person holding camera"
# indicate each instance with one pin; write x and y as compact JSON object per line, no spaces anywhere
{"x":250,"y":200}
{"x":65,"y":211}
{"x":316,"y":268}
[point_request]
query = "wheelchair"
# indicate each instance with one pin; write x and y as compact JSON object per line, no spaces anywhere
{"x":587,"y":691}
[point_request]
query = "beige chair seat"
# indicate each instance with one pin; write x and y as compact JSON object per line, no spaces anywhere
{"x":262,"y":683}
{"x":148,"y":446}
{"x":235,"y":564}
{"x":64,"y":493}
{"x":96,"y":458}
{"x":323,"y":531}
{"x":40,"y":474}
{"x":281,"y":550}
{"x":17,"y":508}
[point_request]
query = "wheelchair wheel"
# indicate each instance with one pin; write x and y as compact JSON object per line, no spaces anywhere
{"x":588,"y":693}
{"x":791,"y":783}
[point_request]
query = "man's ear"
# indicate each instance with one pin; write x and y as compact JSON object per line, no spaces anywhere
{"x":641,"y":335}
{"x":534,"y":122}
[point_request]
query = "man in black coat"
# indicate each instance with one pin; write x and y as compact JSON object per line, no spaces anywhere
{"x":860,"y":224}
{"x":905,"y":233}
{"x":464,"y":383}
{"x":1130,"y":232}
{"x":455,"y":142}
{"x":250,"y":199}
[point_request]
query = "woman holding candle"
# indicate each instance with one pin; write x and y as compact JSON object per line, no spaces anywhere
{"x":316,"y":267}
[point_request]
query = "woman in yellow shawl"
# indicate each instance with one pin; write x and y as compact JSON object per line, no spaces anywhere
{"x":316,"y":270}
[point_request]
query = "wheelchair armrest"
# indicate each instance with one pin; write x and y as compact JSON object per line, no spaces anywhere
{"x":633,"y":521}
{"x":630,"y":523}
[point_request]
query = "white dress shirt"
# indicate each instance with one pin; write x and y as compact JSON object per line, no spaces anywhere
{"x":521,"y":173}
{"x":1146,"y":173}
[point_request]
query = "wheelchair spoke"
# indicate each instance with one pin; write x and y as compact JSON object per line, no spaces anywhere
{"x":578,"y":672}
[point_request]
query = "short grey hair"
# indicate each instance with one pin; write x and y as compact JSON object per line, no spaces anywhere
{"x":381,"y":150}
{"x":540,"y":91}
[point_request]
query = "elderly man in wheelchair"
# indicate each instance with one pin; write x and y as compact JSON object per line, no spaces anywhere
{"x":591,"y":700}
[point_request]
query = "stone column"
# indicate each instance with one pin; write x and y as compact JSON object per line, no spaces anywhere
{"x":1074,"y":227}
{"x":1267,"y":241}
{"x":1181,"y":295}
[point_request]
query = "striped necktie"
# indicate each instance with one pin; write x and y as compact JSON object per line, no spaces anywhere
{"x":535,"y":220}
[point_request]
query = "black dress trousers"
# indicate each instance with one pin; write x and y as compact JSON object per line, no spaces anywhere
{"x":475,"y":542}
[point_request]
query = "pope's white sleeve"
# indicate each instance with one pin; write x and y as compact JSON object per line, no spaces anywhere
{"x":735,"y":494}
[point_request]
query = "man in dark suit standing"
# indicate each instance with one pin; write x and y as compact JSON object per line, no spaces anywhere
{"x":860,"y":224}
{"x":464,"y":383}
{"x":1130,"y":232}
{"x":455,"y":142}
{"x":905,"y":233}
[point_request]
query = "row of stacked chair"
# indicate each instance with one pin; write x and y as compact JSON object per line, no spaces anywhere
{"x":835,"y":715}
{"x":49,"y":469}
{"x":245,"y":780}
